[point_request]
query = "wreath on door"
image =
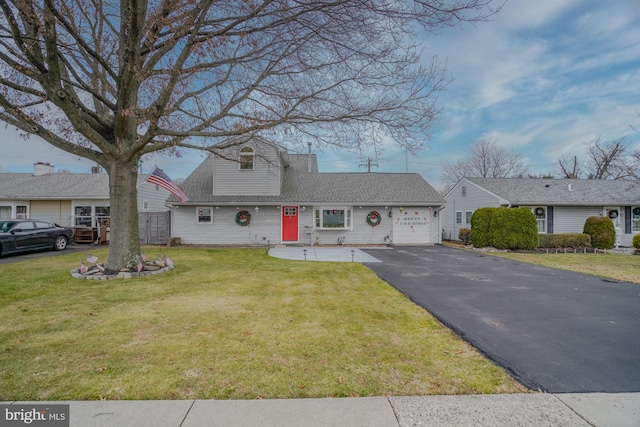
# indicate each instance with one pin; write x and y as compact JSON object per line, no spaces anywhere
{"x":374,"y":218}
{"x":243,"y":218}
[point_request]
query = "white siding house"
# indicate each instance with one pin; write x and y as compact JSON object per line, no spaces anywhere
{"x":255,"y":193}
{"x":560,"y":205}
{"x":69,"y":199}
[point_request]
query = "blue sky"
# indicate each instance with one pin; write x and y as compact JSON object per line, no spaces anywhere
{"x":542,"y":78}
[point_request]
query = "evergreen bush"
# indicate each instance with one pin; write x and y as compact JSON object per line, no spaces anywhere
{"x":636,"y":241}
{"x":601,"y":230}
{"x":481,"y":227}
{"x":573,"y":241}
{"x":504,"y":228}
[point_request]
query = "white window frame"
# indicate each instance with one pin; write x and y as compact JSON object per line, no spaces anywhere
{"x":459,"y":217}
{"x":467,"y":217}
{"x":22,"y":215}
{"x":250,"y":155}
{"x":198,"y":216}
{"x":635,"y":220}
{"x":541,"y":221}
{"x":318,"y":218}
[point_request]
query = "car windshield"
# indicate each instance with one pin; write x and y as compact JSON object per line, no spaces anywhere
{"x":5,"y":226}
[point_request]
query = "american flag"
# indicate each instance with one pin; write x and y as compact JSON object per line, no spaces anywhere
{"x":139,"y":266}
{"x":168,"y":261}
{"x":143,"y":256}
{"x":161,"y":179}
{"x":92,"y":258}
{"x":83,"y":268}
{"x":101,"y":268}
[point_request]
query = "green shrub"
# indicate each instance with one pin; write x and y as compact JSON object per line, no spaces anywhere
{"x":636,"y":241}
{"x":464,"y":234}
{"x":574,"y":241}
{"x":481,"y":227}
{"x":504,"y":228}
{"x":601,"y":230}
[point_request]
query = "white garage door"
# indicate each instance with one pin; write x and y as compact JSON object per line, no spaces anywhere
{"x":412,"y":226}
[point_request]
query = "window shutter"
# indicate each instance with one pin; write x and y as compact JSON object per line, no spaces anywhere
{"x":550,"y":219}
{"x":627,"y":220}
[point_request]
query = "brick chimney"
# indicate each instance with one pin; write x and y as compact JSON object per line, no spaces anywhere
{"x":40,"y":168}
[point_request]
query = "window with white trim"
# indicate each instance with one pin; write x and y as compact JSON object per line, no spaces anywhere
{"x":635,"y":219}
{"x":21,"y":212}
{"x":333,"y":219}
{"x":467,"y":217}
{"x":246,"y":158}
{"x":540,"y":213}
{"x":458,"y":217}
{"x":204,"y":215}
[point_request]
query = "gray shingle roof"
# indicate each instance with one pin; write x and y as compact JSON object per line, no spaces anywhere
{"x":301,"y":186}
{"x":56,"y":186}
{"x":523,"y":191}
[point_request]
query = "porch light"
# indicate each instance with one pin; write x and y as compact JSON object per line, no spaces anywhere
{"x":257,"y":209}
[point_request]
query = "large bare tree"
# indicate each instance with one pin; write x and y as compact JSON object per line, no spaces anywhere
{"x":485,"y":160}
{"x":606,"y":160}
{"x":114,"y":80}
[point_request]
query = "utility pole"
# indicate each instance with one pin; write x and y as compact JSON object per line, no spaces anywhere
{"x":368,"y":165}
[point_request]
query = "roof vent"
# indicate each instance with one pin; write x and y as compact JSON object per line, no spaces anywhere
{"x":41,"y":168}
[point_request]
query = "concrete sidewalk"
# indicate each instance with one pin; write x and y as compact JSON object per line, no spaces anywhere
{"x":508,"y":410}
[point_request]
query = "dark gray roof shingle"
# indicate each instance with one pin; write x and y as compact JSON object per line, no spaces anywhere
{"x":524,"y":191}
{"x":301,"y":186}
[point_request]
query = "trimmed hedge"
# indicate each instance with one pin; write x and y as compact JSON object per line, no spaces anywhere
{"x":504,"y":228}
{"x":601,"y":230}
{"x":574,"y":241}
{"x":636,"y":241}
{"x":464,"y":234}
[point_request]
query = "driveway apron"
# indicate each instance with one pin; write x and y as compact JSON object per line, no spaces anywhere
{"x":554,"y":330}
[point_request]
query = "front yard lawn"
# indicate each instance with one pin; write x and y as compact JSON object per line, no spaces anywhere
{"x":225,"y":324}
{"x":613,"y":266}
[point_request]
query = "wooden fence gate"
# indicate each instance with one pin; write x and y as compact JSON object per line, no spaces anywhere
{"x":154,"y":227}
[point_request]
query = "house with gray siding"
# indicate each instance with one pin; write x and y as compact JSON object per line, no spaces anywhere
{"x":254,"y":192}
{"x":560,"y":205}
{"x":69,"y":199}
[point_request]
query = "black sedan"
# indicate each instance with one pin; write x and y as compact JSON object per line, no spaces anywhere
{"x":21,"y":235}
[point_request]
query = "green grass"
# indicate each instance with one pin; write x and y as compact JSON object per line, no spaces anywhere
{"x":613,"y":266}
{"x":225,"y":324}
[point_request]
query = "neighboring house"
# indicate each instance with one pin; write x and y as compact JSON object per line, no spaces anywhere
{"x":69,"y":199}
{"x":560,"y":205}
{"x":255,"y":193}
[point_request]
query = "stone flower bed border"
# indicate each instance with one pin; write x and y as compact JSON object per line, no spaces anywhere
{"x":75,"y":273}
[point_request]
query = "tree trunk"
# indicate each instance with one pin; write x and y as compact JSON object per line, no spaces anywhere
{"x":124,"y":241}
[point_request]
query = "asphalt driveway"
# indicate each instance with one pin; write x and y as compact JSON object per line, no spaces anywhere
{"x":555,"y":331}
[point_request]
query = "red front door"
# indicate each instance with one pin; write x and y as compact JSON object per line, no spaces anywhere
{"x":289,"y":223}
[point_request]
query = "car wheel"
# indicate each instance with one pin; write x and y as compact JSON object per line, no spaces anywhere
{"x":60,"y":243}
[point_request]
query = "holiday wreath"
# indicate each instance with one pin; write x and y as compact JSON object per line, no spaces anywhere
{"x":373,"y":218}
{"x":539,"y":212}
{"x":613,"y":213}
{"x":243,"y":218}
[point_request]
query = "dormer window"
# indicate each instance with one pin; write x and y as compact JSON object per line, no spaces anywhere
{"x":246,"y":158}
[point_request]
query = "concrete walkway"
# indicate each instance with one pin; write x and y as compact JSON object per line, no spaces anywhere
{"x":326,"y":254}
{"x":508,"y":410}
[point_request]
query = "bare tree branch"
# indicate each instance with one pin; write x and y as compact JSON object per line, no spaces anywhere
{"x":486,"y":160}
